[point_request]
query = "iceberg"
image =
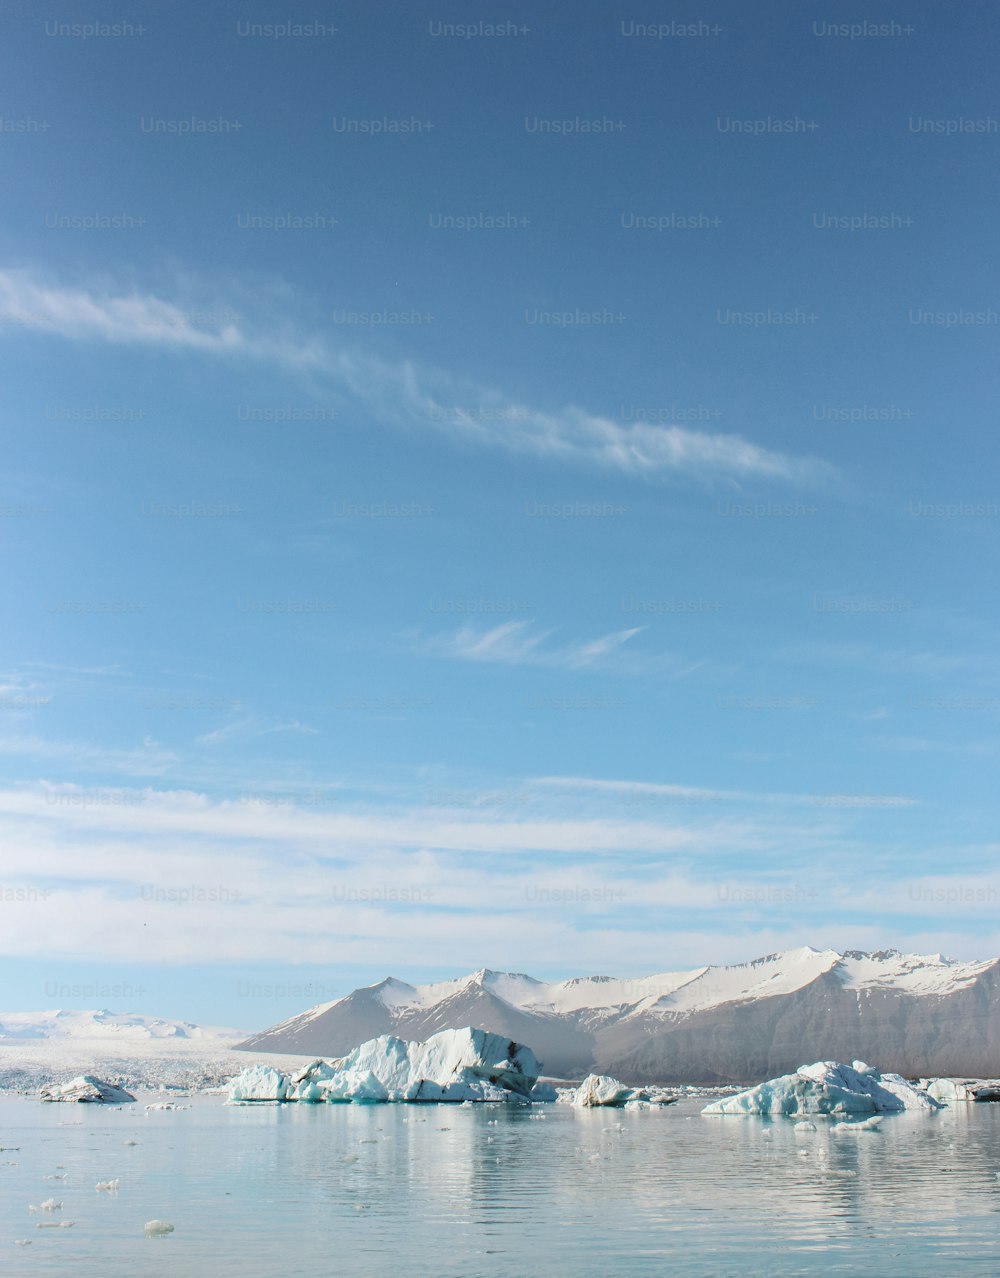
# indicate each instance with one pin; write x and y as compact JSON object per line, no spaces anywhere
{"x":354,"y":1085}
{"x":456,"y":1061}
{"x":87,"y":1089}
{"x":453,"y":1065}
{"x":257,"y":1083}
{"x":307,"y":1084}
{"x":602,"y":1090}
{"x":828,"y":1087}
{"x":952,"y":1090}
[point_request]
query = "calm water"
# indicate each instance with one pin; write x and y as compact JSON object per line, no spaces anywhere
{"x":276,"y":1192}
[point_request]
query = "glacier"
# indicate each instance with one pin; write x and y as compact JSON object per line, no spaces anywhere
{"x":453,"y":1065}
{"x":828,"y":1087}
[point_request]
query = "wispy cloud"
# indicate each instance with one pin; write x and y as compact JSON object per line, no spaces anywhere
{"x":519,"y":643}
{"x":402,"y":394}
{"x":250,"y":726}
{"x":649,"y":791}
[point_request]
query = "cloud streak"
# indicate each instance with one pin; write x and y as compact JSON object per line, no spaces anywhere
{"x":402,"y":394}
{"x":519,"y":643}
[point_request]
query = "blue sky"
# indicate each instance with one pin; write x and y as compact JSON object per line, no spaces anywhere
{"x":522,"y":500}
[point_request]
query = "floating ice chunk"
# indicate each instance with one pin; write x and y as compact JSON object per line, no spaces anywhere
{"x":805,"y":1126}
{"x":50,"y":1204}
{"x":165,"y":1105}
{"x":86,"y":1088}
{"x":108,"y":1186}
{"x":828,"y":1087}
{"x":601,"y":1089}
{"x":955,"y":1090}
{"x":544,"y":1092}
{"x":257,"y":1083}
{"x":156,"y":1228}
{"x":22,"y":1242}
{"x":866,"y":1125}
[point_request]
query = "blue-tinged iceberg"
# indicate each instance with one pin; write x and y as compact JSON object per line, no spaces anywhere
{"x":828,"y":1087}
{"x":454,"y":1065}
{"x":258,"y":1083}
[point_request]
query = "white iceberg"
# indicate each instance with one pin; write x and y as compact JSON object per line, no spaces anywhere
{"x":353,"y":1085}
{"x":828,"y":1087}
{"x":257,"y":1083}
{"x":157,"y":1228}
{"x":952,"y":1090}
{"x":600,"y":1089}
{"x":453,"y":1065}
{"x":86,"y":1088}
{"x":453,"y":1062}
{"x":308,"y":1083}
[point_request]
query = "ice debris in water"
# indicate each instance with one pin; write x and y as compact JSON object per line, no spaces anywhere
{"x":110,"y":1186}
{"x":22,"y":1242}
{"x":869,"y":1125}
{"x":155,"y":1228}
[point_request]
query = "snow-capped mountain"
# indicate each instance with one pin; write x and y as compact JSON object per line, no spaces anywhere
{"x":116,"y":1031}
{"x":914,"y":1014}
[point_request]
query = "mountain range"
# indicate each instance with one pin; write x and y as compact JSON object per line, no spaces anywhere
{"x":918,"y":1015}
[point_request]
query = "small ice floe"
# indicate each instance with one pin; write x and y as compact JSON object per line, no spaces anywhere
{"x":50,"y":1204}
{"x":88,"y":1089}
{"x":165,"y":1105}
{"x":108,"y":1186}
{"x":805,"y":1126}
{"x":55,"y":1224}
{"x":22,"y":1242}
{"x":157,"y":1228}
{"x":349,"y":1158}
{"x":872,"y":1124}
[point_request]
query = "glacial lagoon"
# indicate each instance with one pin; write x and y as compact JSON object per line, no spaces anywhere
{"x":269,"y":1191}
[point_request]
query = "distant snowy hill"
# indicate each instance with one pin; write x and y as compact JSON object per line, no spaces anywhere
{"x":915,"y":1014}
{"x":137,"y":1052}
{"x":116,"y":1031}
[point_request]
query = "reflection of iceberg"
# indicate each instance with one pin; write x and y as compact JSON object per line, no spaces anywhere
{"x":88,"y":1089}
{"x":828,"y":1088}
{"x":454,"y":1065}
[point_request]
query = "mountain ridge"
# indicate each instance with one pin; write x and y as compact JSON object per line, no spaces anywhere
{"x":915,"y":1014}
